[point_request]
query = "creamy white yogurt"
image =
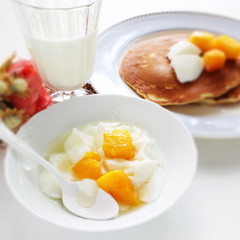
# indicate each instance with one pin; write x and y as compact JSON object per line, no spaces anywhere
{"x":146,"y":170}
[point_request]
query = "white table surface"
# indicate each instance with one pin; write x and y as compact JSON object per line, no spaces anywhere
{"x":209,"y":210}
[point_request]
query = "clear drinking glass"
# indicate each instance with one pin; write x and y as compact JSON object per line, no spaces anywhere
{"x":61,"y":36}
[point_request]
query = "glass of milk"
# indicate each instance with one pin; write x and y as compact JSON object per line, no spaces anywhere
{"x":61,"y":36}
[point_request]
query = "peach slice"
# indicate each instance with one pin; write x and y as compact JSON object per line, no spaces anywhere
{"x":214,"y":60}
{"x":118,"y":144}
{"x":230,"y":46}
{"x":119,"y":186}
{"x":88,"y":167}
{"x":203,"y":40}
{"x":92,"y":155}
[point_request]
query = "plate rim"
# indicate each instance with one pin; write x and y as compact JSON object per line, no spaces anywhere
{"x":149,"y":15}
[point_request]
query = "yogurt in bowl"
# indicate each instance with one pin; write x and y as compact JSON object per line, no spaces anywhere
{"x":166,"y":131}
{"x":119,"y":157}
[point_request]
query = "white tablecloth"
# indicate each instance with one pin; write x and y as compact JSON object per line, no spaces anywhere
{"x":209,"y":210}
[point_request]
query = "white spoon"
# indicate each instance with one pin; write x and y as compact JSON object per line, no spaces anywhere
{"x":105,"y":207}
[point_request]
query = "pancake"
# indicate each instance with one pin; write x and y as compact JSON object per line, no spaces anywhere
{"x":232,"y":96}
{"x":146,"y":69}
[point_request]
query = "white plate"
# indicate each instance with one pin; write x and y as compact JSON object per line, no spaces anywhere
{"x":222,"y":121}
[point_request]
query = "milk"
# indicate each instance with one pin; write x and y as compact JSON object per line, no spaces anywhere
{"x":64,"y":64}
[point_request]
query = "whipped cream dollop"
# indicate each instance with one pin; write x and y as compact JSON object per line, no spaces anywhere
{"x":186,"y":61}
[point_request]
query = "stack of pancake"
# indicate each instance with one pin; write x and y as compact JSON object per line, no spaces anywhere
{"x":146,"y":69}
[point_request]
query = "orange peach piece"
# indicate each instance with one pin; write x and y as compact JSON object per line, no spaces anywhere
{"x":88,"y":167}
{"x":214,"y":60}
{"x":203,"y":40}
{"x":119,"y":186}
{"x":118,"y":144}
{"x":92,"y":155}
{"x":230,"y":46}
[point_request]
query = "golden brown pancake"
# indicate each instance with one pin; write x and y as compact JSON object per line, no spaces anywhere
{"x":232,"y":96}
{"x":147,"y":70}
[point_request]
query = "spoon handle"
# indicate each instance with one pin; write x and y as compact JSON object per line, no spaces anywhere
{"x":20,"y":146}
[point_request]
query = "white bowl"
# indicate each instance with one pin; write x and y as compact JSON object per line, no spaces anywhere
{"x":40,"y":130}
